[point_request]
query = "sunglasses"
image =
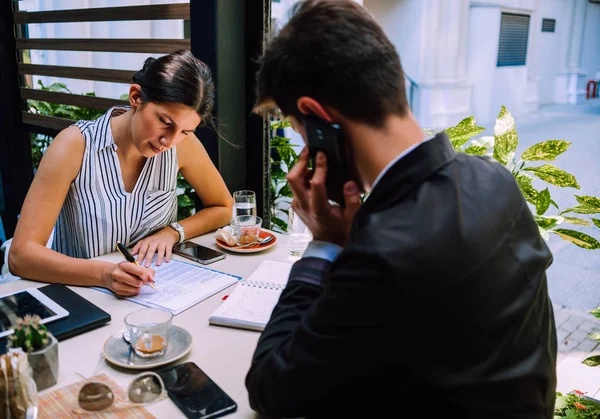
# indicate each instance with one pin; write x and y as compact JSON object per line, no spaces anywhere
{"x":96,"y":397}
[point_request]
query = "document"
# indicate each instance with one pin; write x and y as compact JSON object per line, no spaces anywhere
{"x":180,"y":285}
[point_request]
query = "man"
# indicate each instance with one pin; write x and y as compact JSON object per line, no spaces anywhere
{"x":427,"y":300}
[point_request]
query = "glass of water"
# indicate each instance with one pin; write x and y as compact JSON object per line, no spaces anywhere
{"x":299,"y":235}
{"x":244,"y":203}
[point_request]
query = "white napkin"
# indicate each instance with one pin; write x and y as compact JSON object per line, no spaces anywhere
{"x":224,"y":234}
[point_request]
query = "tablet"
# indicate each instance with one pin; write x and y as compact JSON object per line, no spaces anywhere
{"x":28,"y":301}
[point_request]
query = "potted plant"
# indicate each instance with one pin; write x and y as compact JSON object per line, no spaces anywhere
{"x":576,"y":405}
{"x":31,"y":337}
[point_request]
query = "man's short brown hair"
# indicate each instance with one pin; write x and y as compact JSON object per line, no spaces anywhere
{"x":336,"y":53}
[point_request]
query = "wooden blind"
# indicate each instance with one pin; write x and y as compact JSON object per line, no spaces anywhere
{"x":37,"y":123}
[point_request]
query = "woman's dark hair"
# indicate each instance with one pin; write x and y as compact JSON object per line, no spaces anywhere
{"x":179,"y":77}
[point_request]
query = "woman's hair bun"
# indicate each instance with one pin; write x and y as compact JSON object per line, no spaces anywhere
{"x":137,"y":77}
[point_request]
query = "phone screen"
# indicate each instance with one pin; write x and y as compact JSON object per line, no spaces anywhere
{"x":198,"y":252}
{"x":195,"y":393}
{"x":327,"y":137}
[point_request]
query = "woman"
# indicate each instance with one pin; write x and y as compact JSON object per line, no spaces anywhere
{"x":114,"y":179}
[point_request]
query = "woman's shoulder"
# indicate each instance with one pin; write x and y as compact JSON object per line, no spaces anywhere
{"x":69,"y":141}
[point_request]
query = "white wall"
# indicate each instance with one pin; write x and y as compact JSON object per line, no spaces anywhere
{"x":483,"y":38}
{"x":549,"y":44}
{"x":401,"y":22}
{"x":590,"y":57}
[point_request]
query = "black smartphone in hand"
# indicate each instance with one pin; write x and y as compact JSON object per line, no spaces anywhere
{"x":195,"y":393}
{"x":326,"y":137}
{"x":198,"y":253}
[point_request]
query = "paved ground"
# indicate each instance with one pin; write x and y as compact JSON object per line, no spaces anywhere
{"x":574,"y":276}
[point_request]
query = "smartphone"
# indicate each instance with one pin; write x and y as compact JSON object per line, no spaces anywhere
{"x":198,"y":253}
{"x":327,"y":137}
{"x":195,"y":393}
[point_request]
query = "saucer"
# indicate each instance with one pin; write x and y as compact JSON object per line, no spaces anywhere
{"x":250,"y":249}
{"x":116,"y":350}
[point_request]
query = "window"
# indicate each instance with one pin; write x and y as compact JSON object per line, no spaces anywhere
{"x":514,"y":34}
{"x":548,"y":25}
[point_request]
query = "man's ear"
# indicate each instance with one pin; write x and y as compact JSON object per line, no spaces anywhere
{"x":135,"y":96}
{"x":308,"y":105}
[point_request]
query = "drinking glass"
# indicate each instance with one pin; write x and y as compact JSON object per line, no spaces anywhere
{"x":246,"y":228}
{"x":299,"y":235}
{"x":244,"y":203}
{"x":149,"y":331}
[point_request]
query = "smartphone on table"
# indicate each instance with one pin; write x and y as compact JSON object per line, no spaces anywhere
{"x":197,"y":252}
{"x":327,"y":137}
{"x":195,"y":393}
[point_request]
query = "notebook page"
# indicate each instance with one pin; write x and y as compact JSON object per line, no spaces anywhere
{"x":251,"y":303}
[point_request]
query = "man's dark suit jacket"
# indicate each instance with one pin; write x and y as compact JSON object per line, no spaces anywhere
{"x":438,"y":304}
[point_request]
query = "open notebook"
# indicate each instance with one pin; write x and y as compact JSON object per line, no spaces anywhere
{"x":250,"y":304}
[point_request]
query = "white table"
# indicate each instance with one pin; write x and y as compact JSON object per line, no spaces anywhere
{"x":223,"y":353}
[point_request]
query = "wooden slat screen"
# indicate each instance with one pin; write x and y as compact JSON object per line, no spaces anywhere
{"x":103,"y":14}
{"x":112,"y":14}
{"x":107,"y":45}
{"x":98,"y":74}
{"x":51,"y":122}
{"x":69,"y":99}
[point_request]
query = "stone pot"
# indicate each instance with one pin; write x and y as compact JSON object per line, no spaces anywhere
{"x":44,"y":365}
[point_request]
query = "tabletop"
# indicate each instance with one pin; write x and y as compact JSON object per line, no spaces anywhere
{"x":224,"y":354}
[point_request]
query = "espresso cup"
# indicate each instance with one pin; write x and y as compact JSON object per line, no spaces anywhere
{"x":149,"y":331}
{"x":245,"y":229}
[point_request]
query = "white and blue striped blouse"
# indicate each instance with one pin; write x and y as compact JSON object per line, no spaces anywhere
{"x":98,"y":211}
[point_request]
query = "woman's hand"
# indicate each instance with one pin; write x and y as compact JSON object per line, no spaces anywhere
{"x":326,"y":222}
{"x":126,"y":278}
{"x":160,"y":243}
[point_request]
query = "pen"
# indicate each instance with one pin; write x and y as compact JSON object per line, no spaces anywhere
{"x":129,"y":258}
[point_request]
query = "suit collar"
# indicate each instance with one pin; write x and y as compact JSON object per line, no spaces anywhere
{"x":409,"y":172}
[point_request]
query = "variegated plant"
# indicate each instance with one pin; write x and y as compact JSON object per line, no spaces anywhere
{"x":502,"y":147}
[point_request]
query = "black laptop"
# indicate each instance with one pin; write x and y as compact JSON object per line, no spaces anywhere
{"x":83,"y":315}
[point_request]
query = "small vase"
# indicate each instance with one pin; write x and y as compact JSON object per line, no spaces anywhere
{"x":44,"y":365}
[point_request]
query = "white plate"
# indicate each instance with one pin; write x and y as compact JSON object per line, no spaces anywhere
{"x":251,"y":249}
{"x":116,"y":350}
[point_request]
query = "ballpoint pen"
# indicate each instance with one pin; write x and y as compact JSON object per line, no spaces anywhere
{"x":129,"y":258}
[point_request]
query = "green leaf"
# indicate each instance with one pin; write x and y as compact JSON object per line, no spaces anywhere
{"x":477,"y":150}
{"x":124,"y":96}
{"x":596,"y":222}
{"x":595,"y":312}
{"x":542,"y":202}
{"x":575,"y":220}
{"x":528,"y":190}
{"x":547,"y":150}
{"x":579,"y":239}
{"x":553,"y":204}
{"x":285,"y":123}
{"x":592,"y":361}
{"x":595,"y":336}
{"x":589,"y":201}
{"x":581,"y":209}
{"x":547,"y":222}
{"x":554,"y":175}
{"x":463,"y":132}
{"x":505,"y":136}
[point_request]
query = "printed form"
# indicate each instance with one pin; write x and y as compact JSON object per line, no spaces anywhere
{"x":180,"y":285}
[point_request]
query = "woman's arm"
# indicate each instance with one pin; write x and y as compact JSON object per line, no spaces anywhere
{"x":28,"y":255}
{"x":199,"y":171}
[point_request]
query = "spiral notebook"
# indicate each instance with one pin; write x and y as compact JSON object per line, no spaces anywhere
{"x":250,"y":304}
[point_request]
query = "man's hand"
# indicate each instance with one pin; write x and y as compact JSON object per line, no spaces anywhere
{"x":326,"y":222}
{"x":160,"y":243}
